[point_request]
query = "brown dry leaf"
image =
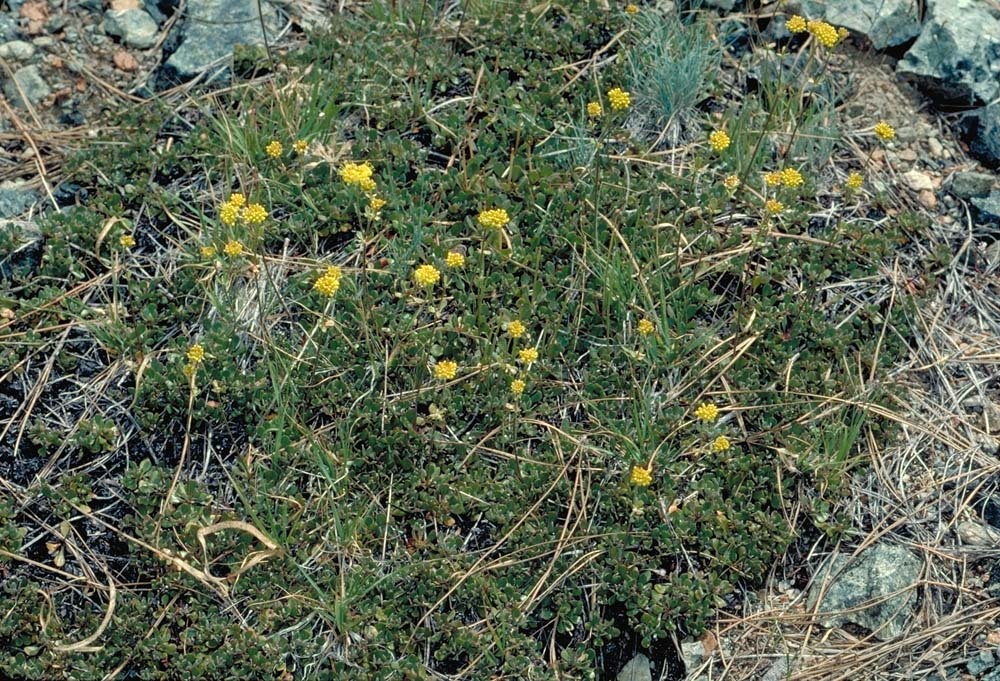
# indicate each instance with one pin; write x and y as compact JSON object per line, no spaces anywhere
{"x":709,"y":643}
{"x":125,"y":61}
{"x":993,"y":638}
{"x":81,"y":85}
{"x":37,"y":13}
{"x":124,"y":4}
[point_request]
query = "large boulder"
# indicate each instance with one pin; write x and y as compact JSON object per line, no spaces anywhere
{"x":957,"y":55}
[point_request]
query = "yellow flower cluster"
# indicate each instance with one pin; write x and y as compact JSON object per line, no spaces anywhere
{"x":196,"y":353}
{"x":453,"y":260}
{"x":731,"y":182}
{"x":641,"y":476}
{"x":594,"y":109}
{"x":426,"y":275}
{"x":721,"y":444}
{"x":359,"y":174}
{"x":516,"y":329}
{"x":376,"y":203}
{"x":719,"y":140}
{"x":646,"y":327}
{"x":517,"y":386}
{"x":528,"y":355}
{"x":229,"y":213}
{"x":773,"y":206}
{"x":300,"y":146}
{"x":208,"y":251}
{"x":631,"y":9}
{"x":773,"y":178}
{"x":329,"y":283}
{"x":233,"y":248}
{"x":854,"y":181}
{"x":707,"y":412}
{"x":274,"y":149}
{"x":790,"y":177}
{"x":795,"y":24}
{"x":445,"y":370}
{"x":619,"y":99}
{"x":254,"y":214}
{"x":126,"y":241}
{"x":235,"y":209}
{"x":494,"y":218}
{"x":826,"y":34}
{"x":884,"y":131}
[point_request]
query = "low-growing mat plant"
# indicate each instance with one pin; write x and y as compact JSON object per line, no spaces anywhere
{"x":411,"y":367}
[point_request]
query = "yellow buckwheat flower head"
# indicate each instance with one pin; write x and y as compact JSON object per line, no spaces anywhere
{"x":825,"y":33}
{"x":228,"y":213}
{"x":631,"y":9}
{"x":254,"y":214}
{"x":884,"y":131}
{"x":367,"y":184}
{"x":333,"y":271}
{"x":773,"y":179}
{"x":453,"y":260}
{"x":126,"y":241}
{"x":854,"y":181}
{"x":843,"y":33}
{"x":721,"y":444}
{"x":237,"y":200}
{"x":773,"y":206}
{"x":619,"y":99}
{"x":517,"y":386}
{"x":327,"y":285}
{"x":357,"y":173}
{"x":376,"y":203}
{"x":233,"y":248}
{"x":274,"y":149}
{"x":731,"y":182}
{"x":641,"y":476}
{"x":594,"y":109}
{"x":196,"y":353}
{"x":516,"y":329}
{"x":426,"y":275}
{"x":494,"y":218}
{"x":707,"y":412}
{"x":795,"y":24}
{"x":790,"y":177}
{"x":300,"y":146}
{"x":208,"y":251}
{"x":528,"y":355}
{"x":645,"y":327}
{"x":445,"y":370}
{"x":719,"y":140}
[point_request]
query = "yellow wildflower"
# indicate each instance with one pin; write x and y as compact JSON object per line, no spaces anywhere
{"x":620,"y":99}
{"x":254,"y":214}
{"x":356,"y":173}
{"x":884,"y":131}
{"x":196,"y":353}
{"x":333,"y":271}
{"x":528,"y":355}
{"x":631,"y":9}
{"x":327,"y":285}
{"x":228,"y":213}
{"x":774,"y":206}
{"x":773,"y":179}
{"x":376,"y":203}
{"x":646,"y":327}
{"x":126,"y":241}
{"x":517,"y":386}
{"x":719,"y":140}
{"x":494,"y":218}
{"x":516,"y":329}
{"x":721,"y":444}
{"x":854,"y":181}
{"x":453,"y":260}
{"x":825,"y":33}
{"x":274,"y":149}
{"x":731,"y":182}
{"x":208,"y":251}
{"x":707,"y":412}
{"x":367,"y":184}
{"x":594,"y":109}
{"x":790,"y":177}
{"x":445,"y":370}
{"x":426,"y":275}
{"x":795,"y":24}
{"x":233,"y":248}
{"x":237,"y":200}
{"x":300,"y":146}
{"x":641,"y":476}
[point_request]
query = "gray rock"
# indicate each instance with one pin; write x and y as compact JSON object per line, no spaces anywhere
{"x":989,"y":206}
{"x":860,"y":590}
{"x":693,"y":655}
{"x":885,"y":23}
{"x":993,"y":257}
{"x":27,"y":80}
{"x":957,"y":55}
{"x":986,"y":144}
{"x":967,"y":185}
{"x":8,"y":26}
{"x":134,"y":26}
{"x":980,"y":663}
{"x":43,"y":41}
{"x":17,"y":49}
{"x":15,"y":199}
{"x":210,"y":31}
{"x":637,"y":669}
{"x":724,"y":5}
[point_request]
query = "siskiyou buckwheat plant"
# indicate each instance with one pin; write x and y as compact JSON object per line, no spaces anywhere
{"x":418,"y":363}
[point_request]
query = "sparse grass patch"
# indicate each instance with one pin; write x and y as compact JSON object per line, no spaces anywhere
{"x":306,"y":439}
